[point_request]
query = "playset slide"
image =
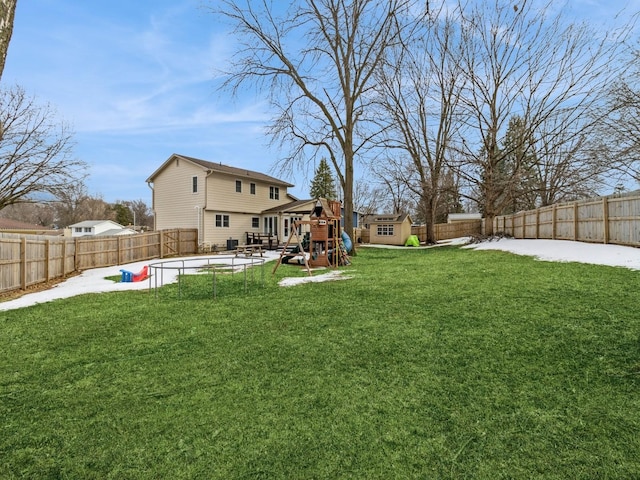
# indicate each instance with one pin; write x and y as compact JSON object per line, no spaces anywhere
{"x":347,"y":241}
{"x":128,"y":276}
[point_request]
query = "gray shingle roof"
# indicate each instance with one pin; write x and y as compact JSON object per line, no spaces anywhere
{"x":238,"y":172}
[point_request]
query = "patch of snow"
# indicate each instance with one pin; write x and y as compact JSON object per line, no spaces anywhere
{"x":567,"y":251}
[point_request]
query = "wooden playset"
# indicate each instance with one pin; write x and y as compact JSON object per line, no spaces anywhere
{"x":322,"y":241}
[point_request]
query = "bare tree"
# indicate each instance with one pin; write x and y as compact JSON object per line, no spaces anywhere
{"x":618,"y":135}
{"x":522,"y":61}
{"x":7,"y":13}
{"x":317,"y":61}
{"x":396,"y":177}
{"x":368,"y":199}
{"x":567,"y":168}
{"x":419,"y":89}
{"x":36,"y":213}
{"x":35,"y":150}
{"x":74,"y":204}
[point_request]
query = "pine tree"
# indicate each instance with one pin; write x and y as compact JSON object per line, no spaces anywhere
{"x":323,"y":184}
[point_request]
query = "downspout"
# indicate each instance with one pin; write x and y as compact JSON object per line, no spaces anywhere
{"x":204,"y":207}
{"x":153,"y":203}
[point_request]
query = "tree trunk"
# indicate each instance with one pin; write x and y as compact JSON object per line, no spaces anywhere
{"x":7,"y":12}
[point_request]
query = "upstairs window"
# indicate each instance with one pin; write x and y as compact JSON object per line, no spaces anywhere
{"x":252,"y":188}
{"x":274,"y":193}
{"x":194,"y":184}
{"x":239,"y":186}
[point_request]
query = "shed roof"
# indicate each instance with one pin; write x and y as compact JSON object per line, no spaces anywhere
{"x":388,"y":218}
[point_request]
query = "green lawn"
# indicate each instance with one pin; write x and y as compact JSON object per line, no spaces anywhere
{"x":439,"y":363}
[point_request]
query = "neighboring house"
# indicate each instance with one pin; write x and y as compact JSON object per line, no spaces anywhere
{"x":102,"y":228}
{"x":224,"y":203}
{"x":388,"y":229}
{"x":14,"y":226}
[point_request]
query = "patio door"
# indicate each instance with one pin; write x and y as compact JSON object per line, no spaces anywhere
{"x":271,"y":225}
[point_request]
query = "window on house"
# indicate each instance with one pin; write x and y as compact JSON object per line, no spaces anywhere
{"x":87,"y":229}
{"x":222,"y":221}
{"x":194,"y":184}
{"x":255,"y":222}
{"x":252,"y":187}
{"x":274,"y":193}
{"x":385,"y":230}
{"x":78,"y":229}
{"x":239,"y":186}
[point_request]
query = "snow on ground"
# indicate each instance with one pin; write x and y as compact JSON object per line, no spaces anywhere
{"x":567,"y":251}
{"x":93,"y":281}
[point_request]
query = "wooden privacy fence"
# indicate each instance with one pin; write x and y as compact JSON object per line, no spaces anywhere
{"x":613,"y":219}
{"x":27,"y":260}
{"x":444,"y":231}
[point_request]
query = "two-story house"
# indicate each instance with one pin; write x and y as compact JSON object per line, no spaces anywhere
{"x":222,"y":202}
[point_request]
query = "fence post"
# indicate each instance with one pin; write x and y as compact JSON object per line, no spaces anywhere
{"x":524,"y":229}
{"x":605,"y":218}
{"x":554,"y":219}
{"x":64,"y":257}
{"x":575,"y":221}
{"x":76,"y":256}
{"x":47,"y":246}
{"x":23,"y":263}
{"x":119,"y":250}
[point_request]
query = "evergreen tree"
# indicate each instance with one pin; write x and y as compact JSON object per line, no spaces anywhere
{"x":519,"y":166}
{"x":323,"y":184}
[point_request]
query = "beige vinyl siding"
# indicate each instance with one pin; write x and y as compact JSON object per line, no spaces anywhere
{"x":222,"y":195}
{"x":239,"y":225}
{"x":175,"y":207}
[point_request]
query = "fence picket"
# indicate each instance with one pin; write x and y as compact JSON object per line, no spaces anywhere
{"x":27,"y":260}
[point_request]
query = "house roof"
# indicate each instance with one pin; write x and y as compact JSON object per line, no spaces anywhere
{"x":297,"y":206}
{"x":224,"y":169}
{"x":9,"y":224}
{"x":93,"y":223}
{"x":116,"y":231}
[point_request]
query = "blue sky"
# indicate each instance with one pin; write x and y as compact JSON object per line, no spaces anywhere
{"x":136,"y":81}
